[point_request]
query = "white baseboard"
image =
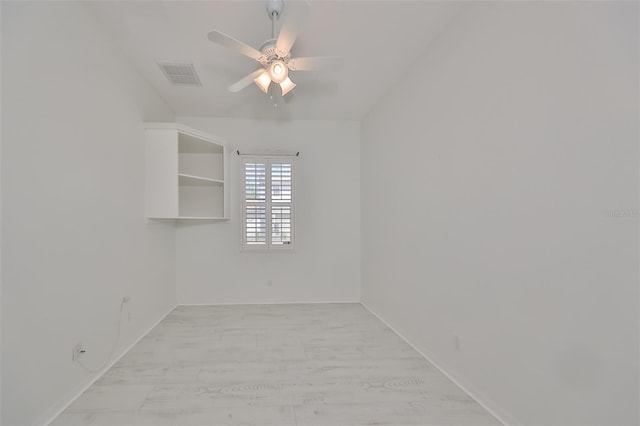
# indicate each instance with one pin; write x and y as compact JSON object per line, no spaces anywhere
{"x":271,"y":302}
{"x":494,"y":409}
{"x":54,"y":411}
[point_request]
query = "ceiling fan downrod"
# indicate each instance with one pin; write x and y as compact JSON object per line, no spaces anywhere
{"x":274,"y":9}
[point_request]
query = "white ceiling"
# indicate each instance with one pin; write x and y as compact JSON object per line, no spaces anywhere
{"x":378,"y":40}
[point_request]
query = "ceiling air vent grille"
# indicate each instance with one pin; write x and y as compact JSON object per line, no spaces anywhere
{"x":180,"y":74}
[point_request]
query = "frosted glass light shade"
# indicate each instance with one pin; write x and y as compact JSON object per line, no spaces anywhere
{"x":278,"y":71}
{"x":263,"y":81}
{"x":287,"y":85}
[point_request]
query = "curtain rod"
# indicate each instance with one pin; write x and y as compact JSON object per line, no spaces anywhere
{"x":297,"y":154}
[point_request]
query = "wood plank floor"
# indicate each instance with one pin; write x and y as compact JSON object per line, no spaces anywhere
{"x":307,"y":364}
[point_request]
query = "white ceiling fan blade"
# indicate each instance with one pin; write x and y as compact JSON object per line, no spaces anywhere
{"x":233,"y":44}
{"x":241,"y":84}
{"x":314,"y":63}
{"x":296,"y":13}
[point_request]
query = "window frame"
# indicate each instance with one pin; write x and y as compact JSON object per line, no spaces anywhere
{"x":268,"y":160}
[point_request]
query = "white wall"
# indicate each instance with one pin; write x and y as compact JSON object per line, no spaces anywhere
{"x":325,"y":266}
{"x":74,"y":237}
{"x":486,"y":177}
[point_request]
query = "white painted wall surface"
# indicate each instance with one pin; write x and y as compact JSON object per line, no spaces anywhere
{"x":74,"y":239}
{"x":487,"y":174}
{"x":325,"y":266}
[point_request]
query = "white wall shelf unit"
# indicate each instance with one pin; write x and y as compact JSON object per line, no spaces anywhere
{"x":186,"y":173}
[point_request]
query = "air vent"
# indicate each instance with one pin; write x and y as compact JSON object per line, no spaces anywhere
{"x":180,"y":74}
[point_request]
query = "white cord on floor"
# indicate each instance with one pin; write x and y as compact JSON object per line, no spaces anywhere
{"x":113,"y":348}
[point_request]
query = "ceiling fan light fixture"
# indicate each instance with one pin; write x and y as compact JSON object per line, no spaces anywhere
{"x":263,"y":81}
{"x":274,"y":55}
{"x":278,"y":71}
{"x":286,"y":86}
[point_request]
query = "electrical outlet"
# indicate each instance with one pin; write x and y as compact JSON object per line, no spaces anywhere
{"x":77,"y":351}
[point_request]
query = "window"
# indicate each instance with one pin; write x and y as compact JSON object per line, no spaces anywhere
{"x":267,"y":204}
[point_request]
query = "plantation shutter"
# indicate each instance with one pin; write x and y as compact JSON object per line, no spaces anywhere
{"x":268,"y":204}
{"x":281,"y":199}
{"x":255,"y":204}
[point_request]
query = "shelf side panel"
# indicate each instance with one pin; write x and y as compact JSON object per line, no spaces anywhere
{"x":161,"y":173}
{"x":227,"y":182}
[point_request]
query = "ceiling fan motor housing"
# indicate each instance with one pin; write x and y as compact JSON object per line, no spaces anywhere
{"x":269,"y":53}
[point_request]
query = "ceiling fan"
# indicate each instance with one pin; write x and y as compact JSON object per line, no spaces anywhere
{"x":274,"y":55}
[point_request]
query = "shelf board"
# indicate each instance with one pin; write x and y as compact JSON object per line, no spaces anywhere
{"x":190,"y":180}
{"x":189,"y":218}
{"x":202,"y":218}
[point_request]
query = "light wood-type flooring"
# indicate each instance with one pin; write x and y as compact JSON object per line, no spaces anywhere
{"x":306,"y":364}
